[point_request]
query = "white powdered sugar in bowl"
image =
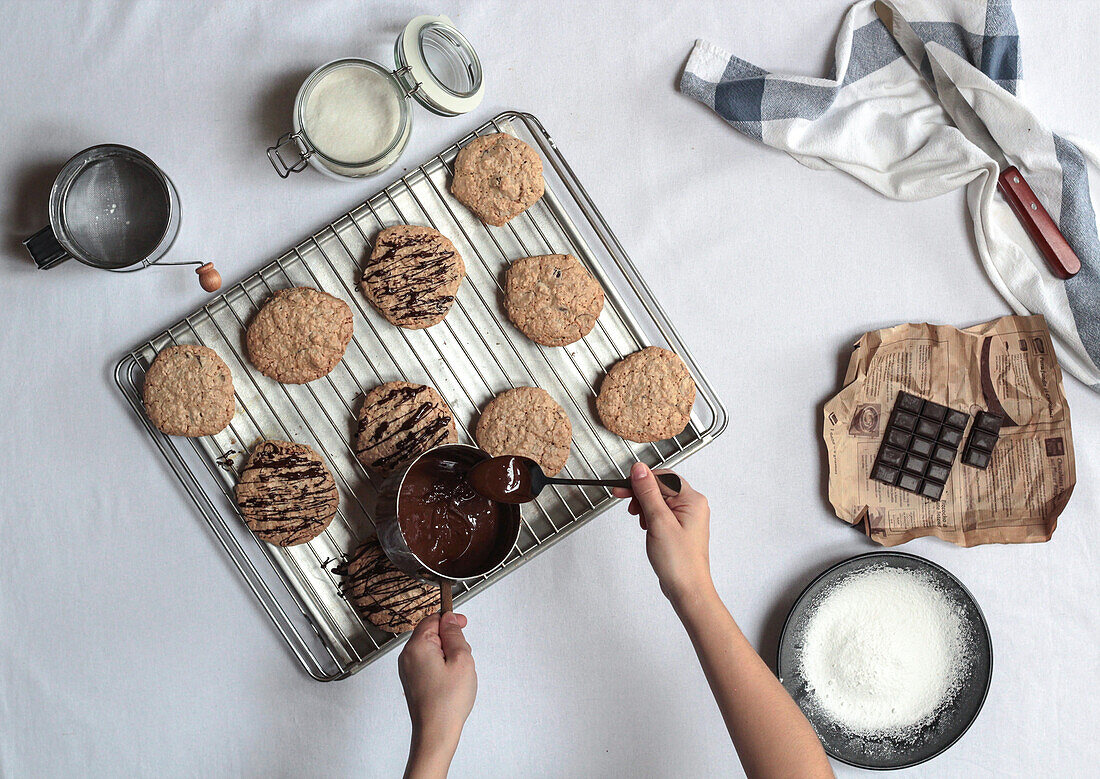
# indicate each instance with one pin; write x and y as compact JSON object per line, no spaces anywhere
{"x":884,"y":651}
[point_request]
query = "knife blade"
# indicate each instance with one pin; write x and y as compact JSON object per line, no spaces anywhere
{"x":1038,"y":224}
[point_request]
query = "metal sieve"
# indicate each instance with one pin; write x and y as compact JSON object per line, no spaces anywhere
{"x":112,"y":208}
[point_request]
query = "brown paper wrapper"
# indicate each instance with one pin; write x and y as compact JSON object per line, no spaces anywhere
{"x":1008,"y":366}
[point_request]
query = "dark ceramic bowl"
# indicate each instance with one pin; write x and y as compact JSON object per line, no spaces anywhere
{"x":883,"y":752}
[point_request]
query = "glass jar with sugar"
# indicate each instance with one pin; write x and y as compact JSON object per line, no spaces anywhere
{"x":351,"y":116}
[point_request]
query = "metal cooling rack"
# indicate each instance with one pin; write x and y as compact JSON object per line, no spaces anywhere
{"x":470,"y":357}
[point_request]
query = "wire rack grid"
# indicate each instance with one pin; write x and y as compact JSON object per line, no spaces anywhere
{"x":470,"y":357}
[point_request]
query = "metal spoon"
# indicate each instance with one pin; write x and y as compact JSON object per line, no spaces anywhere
{"x":514,"y":479}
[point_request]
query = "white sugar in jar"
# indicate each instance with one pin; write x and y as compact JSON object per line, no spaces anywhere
{"x":354,"y":116}
{"x":351,"y":117}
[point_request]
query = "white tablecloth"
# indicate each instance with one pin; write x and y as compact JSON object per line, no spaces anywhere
{"x":128,"y":644}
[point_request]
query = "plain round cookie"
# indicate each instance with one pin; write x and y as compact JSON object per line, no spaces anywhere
{"x":286,"y":493}
{"x":188,"y":391}
{"x":399,"y":421}
{"x":528,"y":422}
{"x":387,"y":597}
{"x":647,"y":396}
{"x":497,"y":177}
{"x":412,"y":275}
{"x":552,"y":299}
{"x":299,"y":335}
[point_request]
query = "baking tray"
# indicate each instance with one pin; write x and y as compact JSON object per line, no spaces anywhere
{"x":470,"y":357}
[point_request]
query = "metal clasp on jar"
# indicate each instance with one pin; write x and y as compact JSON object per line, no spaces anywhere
{"x":403,"y":78}
{"x":276,"y":158}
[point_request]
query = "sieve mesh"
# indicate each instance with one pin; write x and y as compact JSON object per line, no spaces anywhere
{"x":116,"y":210}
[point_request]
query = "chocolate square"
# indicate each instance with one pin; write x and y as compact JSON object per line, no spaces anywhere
{"x":907,"y":402}
{"x":937,"y":472}
{"x":915,"y":464}
{"x":950,"y":436}
{"x":909,"y":482}
{"x":933,"y":411}
{"x":928,"y":428}
{"x":956,"y":418}
{"x":991,"y":423}
{"x":931,"y":489}
{"x":921,"y":446}
{"x":904,"y":420}
{"x":944,"y":454}
{"x":885,"y":473}
{"x":892,"y":456}
{"x":898,"y":438}
{"x":976,"y":458}
{"x":979,"y":439}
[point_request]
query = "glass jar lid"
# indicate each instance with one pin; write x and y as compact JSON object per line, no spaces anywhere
{"x":438,"y":66}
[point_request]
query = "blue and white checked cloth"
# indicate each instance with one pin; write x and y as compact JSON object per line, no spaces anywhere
{"x":879,"y":120}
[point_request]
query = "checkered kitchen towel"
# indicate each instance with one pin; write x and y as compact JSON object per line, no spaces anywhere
{"x":877,"y":119}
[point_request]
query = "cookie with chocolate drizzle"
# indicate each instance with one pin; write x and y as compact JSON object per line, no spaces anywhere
{"x":398,"y":421}
{"x":286,"y":493}
{"x":385,"y":596}
{"x":412,"y":275}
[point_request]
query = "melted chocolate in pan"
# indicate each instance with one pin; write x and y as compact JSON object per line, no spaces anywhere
{"x":446,"y":523}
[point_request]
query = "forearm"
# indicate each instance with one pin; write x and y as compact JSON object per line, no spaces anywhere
{"x":770,"y":733}
{"x":430,"y":755}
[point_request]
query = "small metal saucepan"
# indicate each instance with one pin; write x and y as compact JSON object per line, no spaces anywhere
{"x":391,"y":535}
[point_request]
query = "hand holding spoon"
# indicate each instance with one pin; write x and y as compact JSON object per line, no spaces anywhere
{"x":514,"y":479}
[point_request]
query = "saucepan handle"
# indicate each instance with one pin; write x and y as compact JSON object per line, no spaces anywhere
{"x":446,"y":603}
{"x":45,"y":250}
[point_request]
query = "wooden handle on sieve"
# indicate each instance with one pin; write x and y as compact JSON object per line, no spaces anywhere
{"x":209,"y":277}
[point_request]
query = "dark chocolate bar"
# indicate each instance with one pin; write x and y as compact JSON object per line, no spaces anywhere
{"x":919,"y":446}
{"x":983,"y":438}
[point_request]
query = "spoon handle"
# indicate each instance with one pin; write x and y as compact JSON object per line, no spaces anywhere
{"x":670,"y":480}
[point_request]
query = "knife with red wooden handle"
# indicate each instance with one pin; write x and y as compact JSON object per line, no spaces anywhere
{"x":1040,"y":227}
{"x":1048,"y":239}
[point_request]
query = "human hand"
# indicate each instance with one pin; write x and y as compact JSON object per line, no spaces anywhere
{"x":677,"y":533}
{"x":437,"y":673}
